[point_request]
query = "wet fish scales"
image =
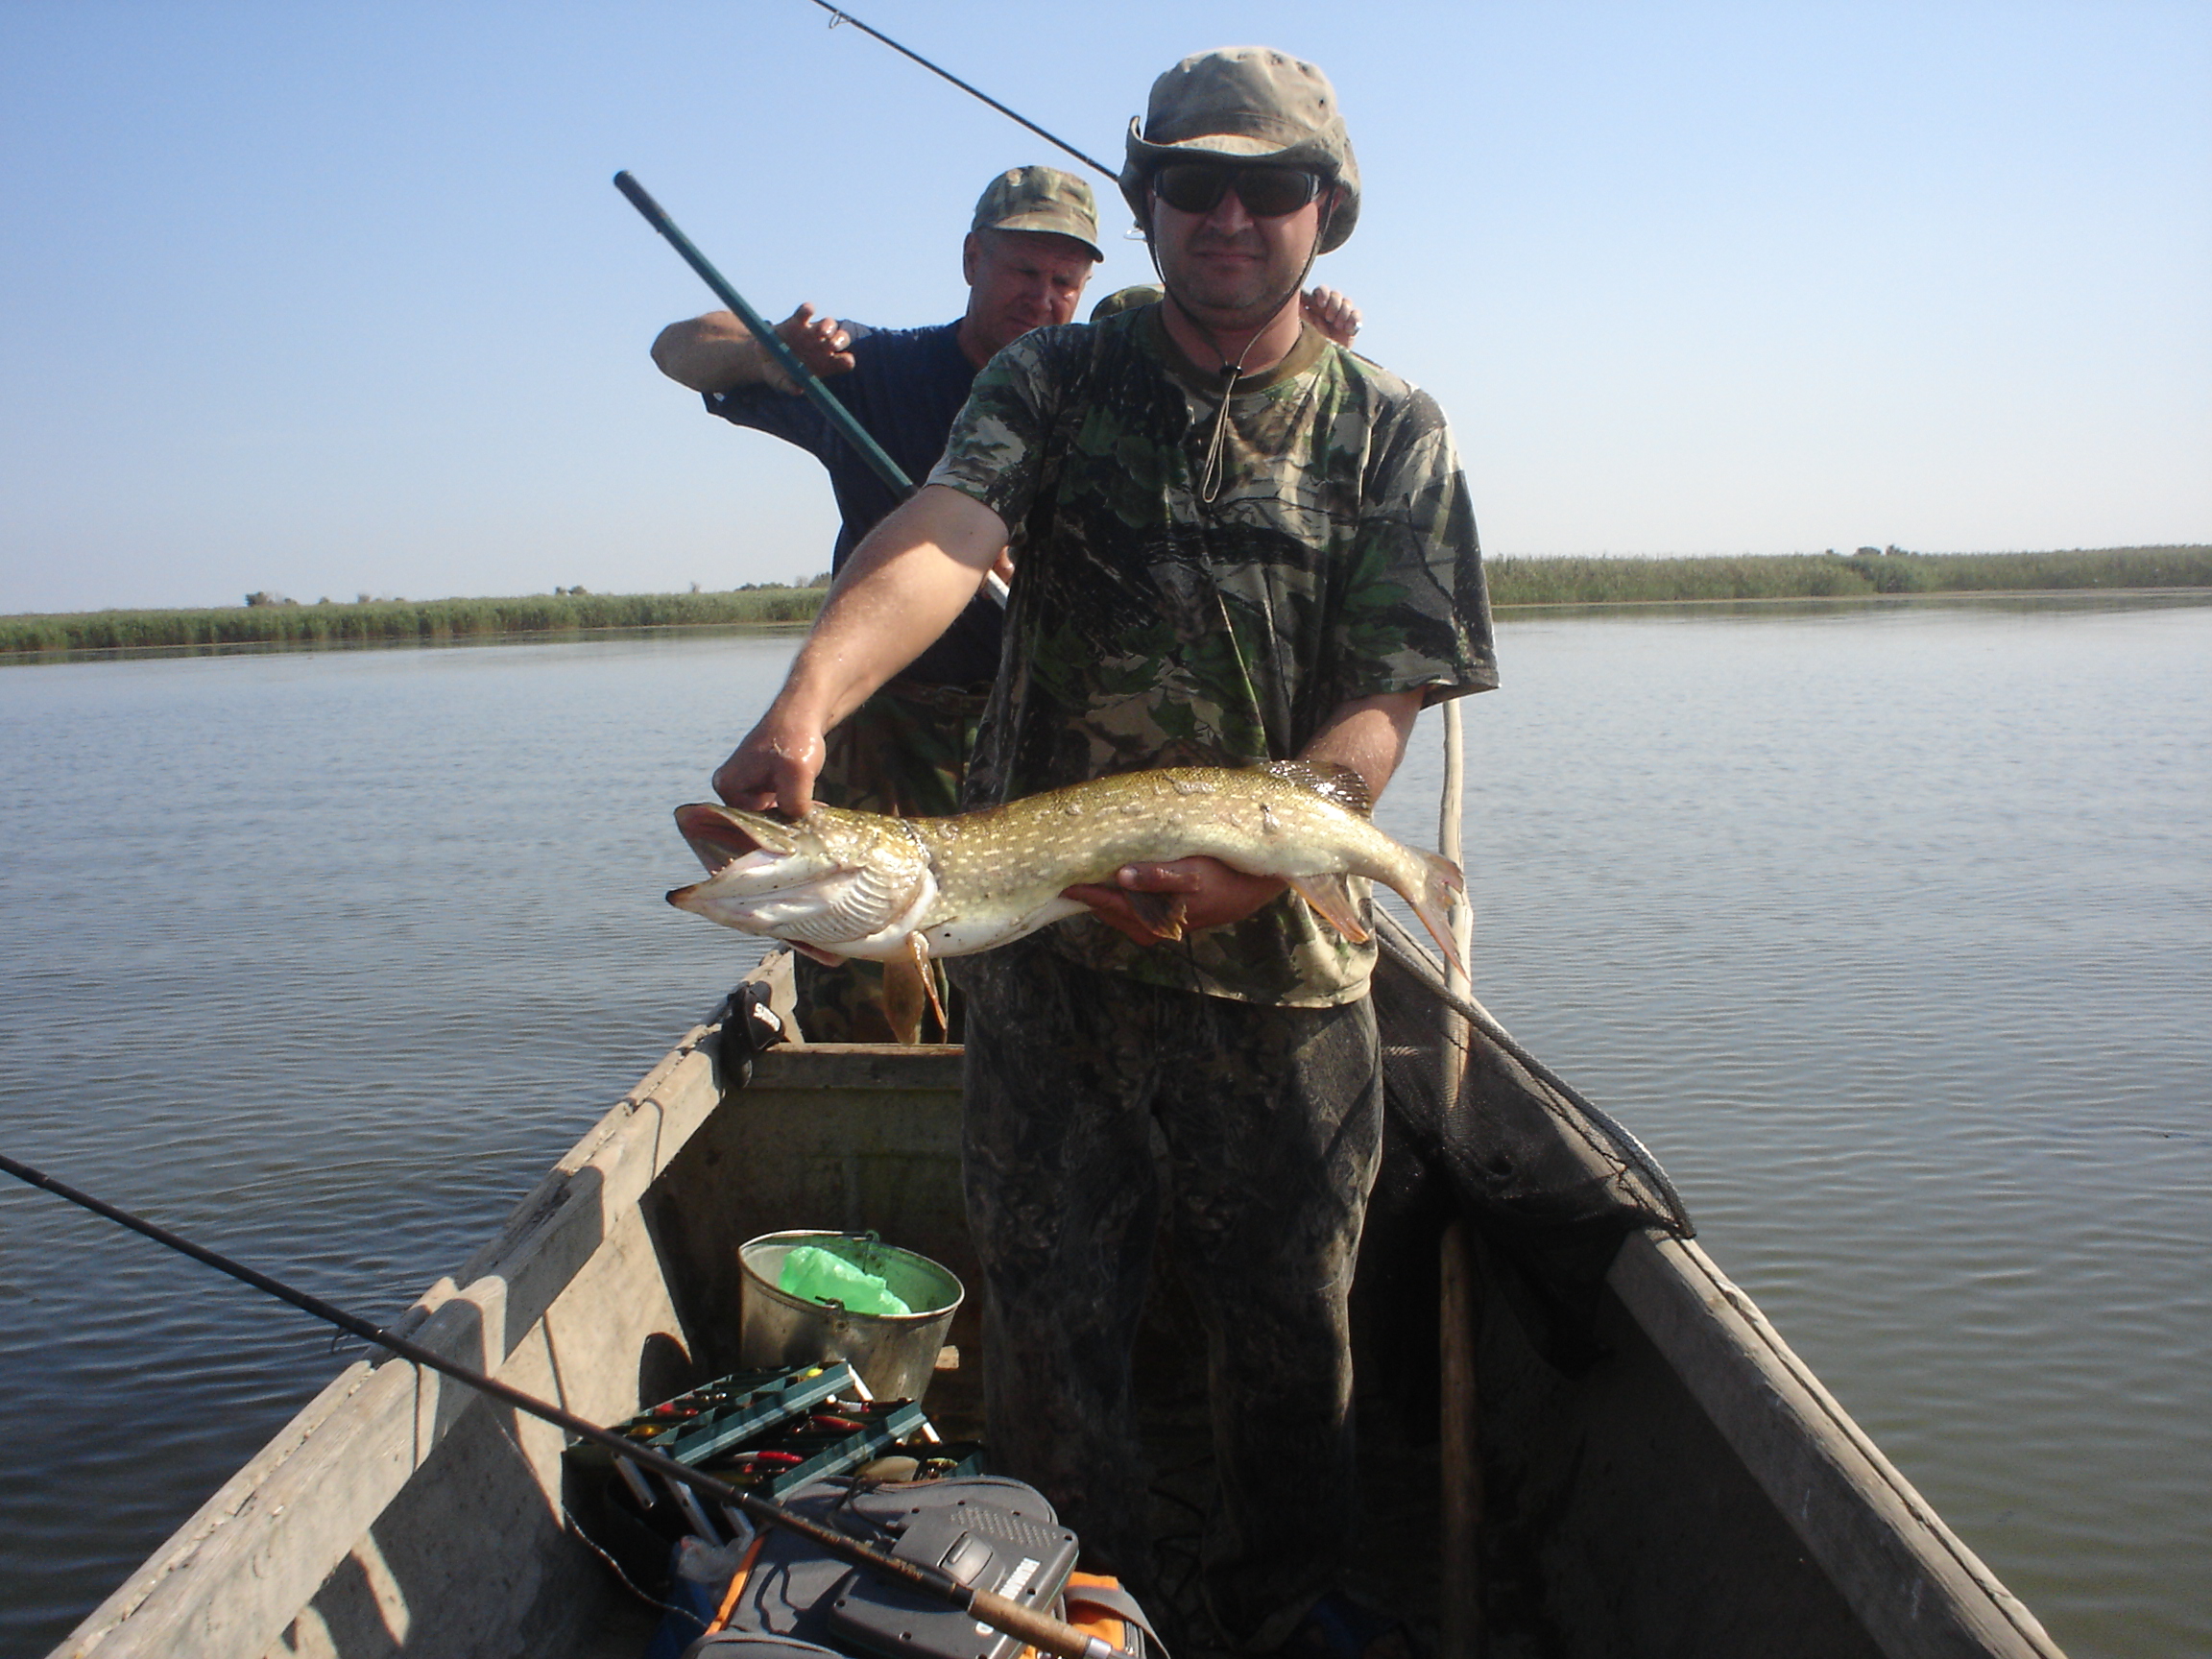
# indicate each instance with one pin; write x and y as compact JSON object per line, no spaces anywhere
{"x":846,"y":883}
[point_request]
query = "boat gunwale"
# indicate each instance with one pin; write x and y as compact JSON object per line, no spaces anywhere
{"x":1768,"y":1407}
{"x":1749,"y":1381}
{"x":454,"y":1318}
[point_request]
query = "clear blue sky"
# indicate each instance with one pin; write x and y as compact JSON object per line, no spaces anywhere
{"x":336,"y":297}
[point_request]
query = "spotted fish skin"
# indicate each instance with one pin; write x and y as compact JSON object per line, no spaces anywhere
{"x":842,"y":883}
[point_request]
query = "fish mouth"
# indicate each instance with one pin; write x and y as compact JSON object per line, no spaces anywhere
{"x":719,"y":836}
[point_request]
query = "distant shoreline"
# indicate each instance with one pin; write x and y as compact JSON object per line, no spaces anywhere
{"x":1515,"y":583}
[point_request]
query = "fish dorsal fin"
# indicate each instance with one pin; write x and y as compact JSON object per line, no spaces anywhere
{"x":1331,"y":781}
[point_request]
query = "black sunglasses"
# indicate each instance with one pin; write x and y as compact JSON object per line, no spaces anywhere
{"x":1266,"y":192}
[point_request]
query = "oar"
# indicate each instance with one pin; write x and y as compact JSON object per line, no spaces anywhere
{"x":1023,"y":1623}
{"x":823,"y":399}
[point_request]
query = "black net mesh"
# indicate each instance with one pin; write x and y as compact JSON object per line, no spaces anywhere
{"x":1477,"y":1129}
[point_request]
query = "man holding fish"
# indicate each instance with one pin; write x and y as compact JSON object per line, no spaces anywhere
{"x":1027,"y":256}
{"x":1235,"y":543}
{"x":1030,"y":246}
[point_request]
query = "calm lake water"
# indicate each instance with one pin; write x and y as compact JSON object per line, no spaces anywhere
{"x":1889,"y":929}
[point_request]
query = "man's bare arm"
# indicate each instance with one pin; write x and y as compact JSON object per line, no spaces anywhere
{"x":716,"y":352}
{"x":1367,"y":734}
{"x":903,"y":586}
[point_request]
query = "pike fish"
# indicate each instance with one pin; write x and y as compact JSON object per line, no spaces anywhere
{"x":836,"y":883}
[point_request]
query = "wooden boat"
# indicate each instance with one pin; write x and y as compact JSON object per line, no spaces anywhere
{"x":1685,"y":1486}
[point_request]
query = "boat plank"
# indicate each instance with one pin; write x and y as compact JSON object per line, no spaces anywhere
{"x":1921,"y":1593}
{"x":840,"y":1137}
{"x":304,"y":1511}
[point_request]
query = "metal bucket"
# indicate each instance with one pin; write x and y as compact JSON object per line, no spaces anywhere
{"x":895,"y":1353}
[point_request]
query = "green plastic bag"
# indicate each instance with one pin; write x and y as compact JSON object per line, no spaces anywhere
{"x":817,"y":1275}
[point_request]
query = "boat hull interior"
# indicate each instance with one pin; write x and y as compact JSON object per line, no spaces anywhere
{"x":1684,"y":1486}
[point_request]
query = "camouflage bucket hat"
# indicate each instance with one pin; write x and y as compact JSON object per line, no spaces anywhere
{"x":1247,"y":104}
{"x":1041,"y":199}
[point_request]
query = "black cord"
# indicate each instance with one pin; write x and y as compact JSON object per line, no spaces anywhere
{"x":630,"y":1584}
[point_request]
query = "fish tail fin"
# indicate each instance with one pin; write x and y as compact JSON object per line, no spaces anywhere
{"x":1441,"y":885}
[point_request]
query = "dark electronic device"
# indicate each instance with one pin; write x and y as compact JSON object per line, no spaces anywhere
{"x":981,"y":1544}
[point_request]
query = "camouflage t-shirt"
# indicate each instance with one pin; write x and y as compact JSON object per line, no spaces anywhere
{"x":1151,"y":628}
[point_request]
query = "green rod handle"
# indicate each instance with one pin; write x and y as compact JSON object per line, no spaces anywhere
{"x":809,"y":382}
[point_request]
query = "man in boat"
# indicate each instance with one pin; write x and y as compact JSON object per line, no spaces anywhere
{"x":1029,"y":250}
{"x":1234,"y":542}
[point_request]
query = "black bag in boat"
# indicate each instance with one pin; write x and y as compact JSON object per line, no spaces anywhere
{"x":997,"y":1534}
{"x":753,"y":1645}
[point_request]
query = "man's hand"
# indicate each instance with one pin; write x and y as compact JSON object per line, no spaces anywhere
{"x":775,"y":767}
{"x":1213,"y":895}
{"x":716,"y":352}
{"x":1367,"y":734}
{"x":1332,"y":314}
{"x":821,"y":343}
{"x":902,"y":588}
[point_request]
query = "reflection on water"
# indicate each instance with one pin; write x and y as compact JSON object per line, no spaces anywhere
{"x":1886,"y":928}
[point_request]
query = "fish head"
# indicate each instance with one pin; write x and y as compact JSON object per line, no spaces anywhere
{"x":833,"y":882}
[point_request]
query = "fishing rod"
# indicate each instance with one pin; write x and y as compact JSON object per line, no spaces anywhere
{"x":1024,"y":1623}
{"x":838,"y":14}
{"x":879,"y":460}
{"x":850,"y":429}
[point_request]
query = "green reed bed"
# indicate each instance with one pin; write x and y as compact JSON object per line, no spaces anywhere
{"x":393,"y":620}
{"x":1513,"y":581}
{"x":1520,"y":581}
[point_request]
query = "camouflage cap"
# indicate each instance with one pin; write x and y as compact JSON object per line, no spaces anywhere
{"x":1127,"y":299}
{"x":1041,"y":199}
{"x":1247,"y":104}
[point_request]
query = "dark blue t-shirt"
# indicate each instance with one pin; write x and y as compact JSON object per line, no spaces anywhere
{"x":905,"y":387}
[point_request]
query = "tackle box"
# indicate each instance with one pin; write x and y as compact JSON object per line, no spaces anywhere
{"x":766,"y":1432}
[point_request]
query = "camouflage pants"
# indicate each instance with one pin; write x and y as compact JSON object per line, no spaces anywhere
{"x":902,"y":751}
{"x":1272,"y":1119}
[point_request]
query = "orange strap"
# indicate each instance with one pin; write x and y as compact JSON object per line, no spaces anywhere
{"x":737,"y":1583}
{"x":1107,"y":1627}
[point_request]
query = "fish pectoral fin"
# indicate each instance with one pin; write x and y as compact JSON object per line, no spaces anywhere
{"x":917,"y":947}
{"x":908,"y":993}
{"x":1331,"y":896}
{"x":1165,"y":913}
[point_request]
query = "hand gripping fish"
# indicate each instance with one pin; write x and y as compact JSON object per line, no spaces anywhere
{"x":838,"y":884}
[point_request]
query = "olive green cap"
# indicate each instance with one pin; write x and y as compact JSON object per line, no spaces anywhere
{"x":1247,"y":104}
{"x":1041,"y":199}
{"x":1127,"y":299}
